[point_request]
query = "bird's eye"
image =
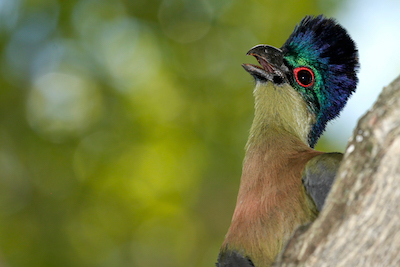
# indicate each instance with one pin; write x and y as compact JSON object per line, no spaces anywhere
{"x":304,"y":76}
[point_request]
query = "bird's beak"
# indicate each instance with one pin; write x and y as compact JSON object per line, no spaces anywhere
{"x":270,"y":59}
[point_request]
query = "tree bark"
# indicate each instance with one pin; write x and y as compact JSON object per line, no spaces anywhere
{"x":360,"y":223}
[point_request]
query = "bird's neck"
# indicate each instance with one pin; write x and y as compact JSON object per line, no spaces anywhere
{"x":279,"y":109}
{"x":276,"y":153}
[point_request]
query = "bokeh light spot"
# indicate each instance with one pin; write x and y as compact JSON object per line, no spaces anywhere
{"x":62,"y":105}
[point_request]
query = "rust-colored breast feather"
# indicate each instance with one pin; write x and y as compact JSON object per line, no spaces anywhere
{"x":272,"y":201}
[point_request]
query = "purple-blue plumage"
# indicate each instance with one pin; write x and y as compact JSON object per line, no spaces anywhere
{"x":324,"y":46}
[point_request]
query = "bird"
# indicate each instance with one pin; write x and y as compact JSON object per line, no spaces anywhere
{"x":299,"y":88}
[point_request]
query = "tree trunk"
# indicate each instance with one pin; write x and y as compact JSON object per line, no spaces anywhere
{"x":360,"y":224}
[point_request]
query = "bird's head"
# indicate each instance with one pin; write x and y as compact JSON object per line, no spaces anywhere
{"x":319,"y":61}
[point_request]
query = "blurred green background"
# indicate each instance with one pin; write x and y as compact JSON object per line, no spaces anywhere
{"x":123,"y":125}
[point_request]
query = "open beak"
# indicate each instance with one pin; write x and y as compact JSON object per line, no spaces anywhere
{"x":270,"y":59}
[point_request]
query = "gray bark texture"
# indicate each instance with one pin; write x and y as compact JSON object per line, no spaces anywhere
{"x":360,"y":224}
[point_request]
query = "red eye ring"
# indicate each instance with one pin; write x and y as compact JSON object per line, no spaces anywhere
{"x":304,"y":76}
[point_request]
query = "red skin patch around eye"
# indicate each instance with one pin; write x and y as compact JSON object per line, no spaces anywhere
{"x":297,"y":70}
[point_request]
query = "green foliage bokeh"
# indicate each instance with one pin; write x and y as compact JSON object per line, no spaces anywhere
{"x":123,"y":125}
